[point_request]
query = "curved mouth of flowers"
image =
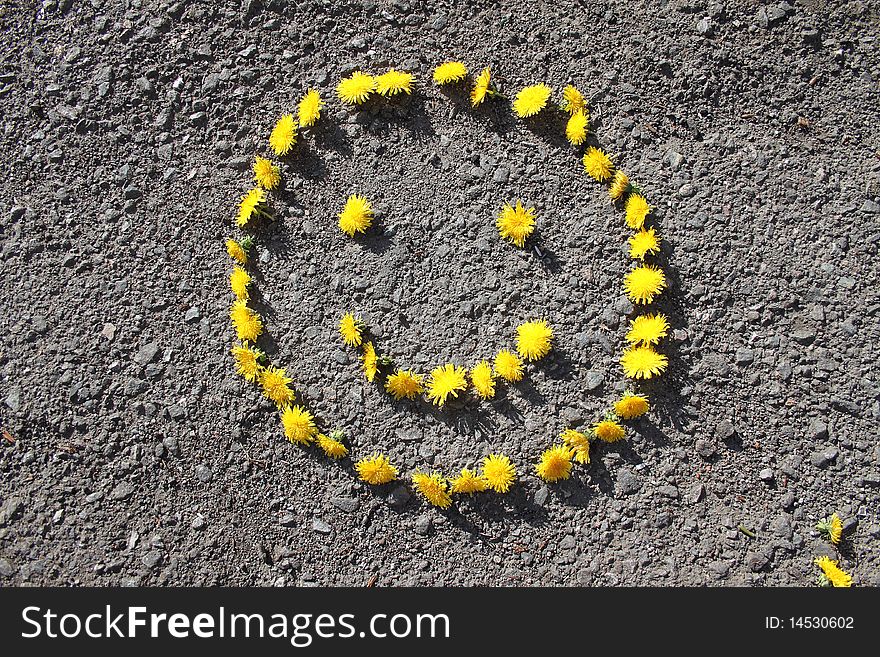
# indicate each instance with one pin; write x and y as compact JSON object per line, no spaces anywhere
{"x":450,"y":382}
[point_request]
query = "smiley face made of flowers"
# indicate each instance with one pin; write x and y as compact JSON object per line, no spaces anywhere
{"x":495,"y":473}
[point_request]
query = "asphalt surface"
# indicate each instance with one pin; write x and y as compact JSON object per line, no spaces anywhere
{"x":133,"y":453}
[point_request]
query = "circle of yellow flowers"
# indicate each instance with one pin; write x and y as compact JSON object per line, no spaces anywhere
{"x":643,"y":283}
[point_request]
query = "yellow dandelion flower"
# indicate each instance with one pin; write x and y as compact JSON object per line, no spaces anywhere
{"x":239,"y":280}
{"x":248,"y":325}
{"x":498,"y":472}
{"x":446,"y":381}
{"x":516,"y":223}
{"x":832,"y":573}
{"x":647,"y":329}
{"x":351,"y":327}
{"x":370,"y":362}
{"x":831,"y":527}
{"x":508,"y":366}
{"x":533,"y":339}
{"x":394,"y":82}
{"x":481,"y":87}
{"x":309,"y":109}
{"x":644,"y":283}
{"x":631,"y":406}
{"x":469,"y":482}
{"x":376,"y":469}
{"x":572,"y":100}
{"x":403,"y":383}
{"x":643,"y":243}
{"x":283,"y":135}
{"x":597,"y":164}
{"x":449,"y":72}
{"x":531,"y":100}
{"x":239,"y":251}
{"x":433,"y":488}
{"x":247,"y":361}
{"x":266,"y":173}
{"x":555,"y":464}
{"x":483,"y":379}
{"x":642,"y":362}
{"x":609,"y":431}
{"x":637,"y":210}
{"x":579,"y":444}
{"x":356,"y":216}
{"x":276,"y":385}
{"x":835,"y":531}
{"x":332,"y":445}
{"x":619,"y":186}
{"x":251,"y":204}
{"x":299,"y":425}
{"x":356,"y":88}
{"x":576,"y":128}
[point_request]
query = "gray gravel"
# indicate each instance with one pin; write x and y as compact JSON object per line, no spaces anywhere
{"x":140,"y":458}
